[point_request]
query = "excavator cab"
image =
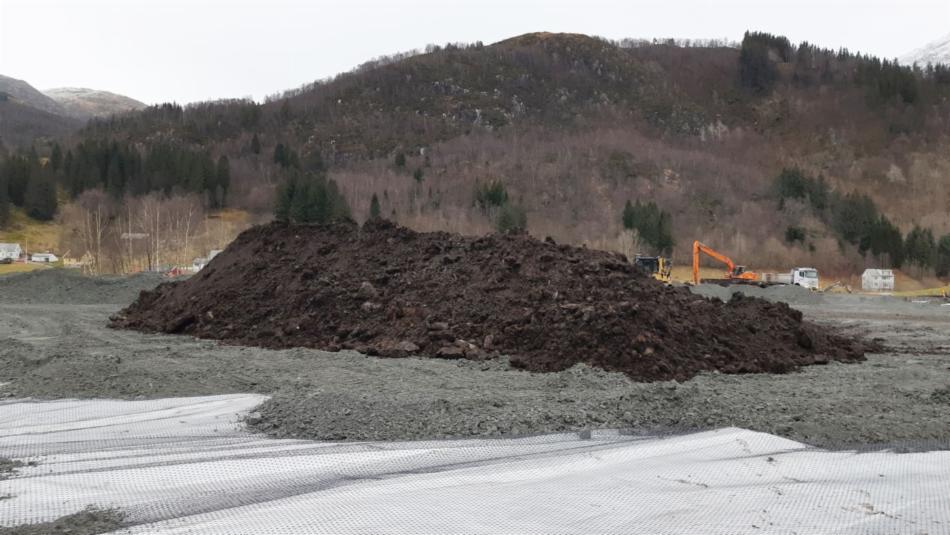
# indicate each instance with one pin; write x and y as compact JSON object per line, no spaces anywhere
{"x":658,"y":267}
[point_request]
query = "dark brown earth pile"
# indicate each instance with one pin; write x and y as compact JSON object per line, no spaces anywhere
{"x":388,"y":291}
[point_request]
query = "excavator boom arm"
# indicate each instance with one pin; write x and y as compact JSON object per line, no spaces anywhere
{"x":702,"y":248}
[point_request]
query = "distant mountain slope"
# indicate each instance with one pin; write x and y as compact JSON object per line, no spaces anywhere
{"x":934,"y":52}
{"x":21,"y":125}
{"x":27,"y":94}
{"x":83,"y":103}
{"x":27,"y":114}
{"x":569,"y":128}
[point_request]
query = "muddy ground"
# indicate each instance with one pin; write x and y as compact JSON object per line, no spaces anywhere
{"x":52,"y":349}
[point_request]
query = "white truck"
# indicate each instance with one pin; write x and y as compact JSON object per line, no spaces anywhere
{"x":805,"y":277}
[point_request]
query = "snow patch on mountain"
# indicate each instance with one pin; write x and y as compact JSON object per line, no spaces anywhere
{"x":934,"y":52}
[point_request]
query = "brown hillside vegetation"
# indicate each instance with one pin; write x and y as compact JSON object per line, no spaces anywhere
{"x":389,"y":291}
{"x":574,"y":126}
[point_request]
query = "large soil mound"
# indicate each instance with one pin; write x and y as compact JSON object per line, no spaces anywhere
{"x":389,"y":291}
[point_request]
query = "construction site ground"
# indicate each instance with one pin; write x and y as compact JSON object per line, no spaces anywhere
{"x":55,"y":345}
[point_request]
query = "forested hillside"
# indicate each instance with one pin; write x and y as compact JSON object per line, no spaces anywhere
{"x":22,"y":124}
{"x":777,"y":153}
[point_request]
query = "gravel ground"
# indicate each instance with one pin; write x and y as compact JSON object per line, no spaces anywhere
{"x":70,"y":286}
{"x":901,"y":397}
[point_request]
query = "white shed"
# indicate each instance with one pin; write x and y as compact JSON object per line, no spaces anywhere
{"x":43,"y":257}
{"x":10,"y":250}
{"x":877,"y":280}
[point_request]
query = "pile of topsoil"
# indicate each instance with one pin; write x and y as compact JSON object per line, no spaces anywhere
{"x":388,"y":291}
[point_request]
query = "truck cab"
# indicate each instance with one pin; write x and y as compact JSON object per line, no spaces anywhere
{"x":805,"y":277}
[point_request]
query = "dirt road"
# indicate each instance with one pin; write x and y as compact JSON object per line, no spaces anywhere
{"x":51,"y":350}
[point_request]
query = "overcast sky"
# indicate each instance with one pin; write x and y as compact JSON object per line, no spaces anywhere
{"x":177,"y":50}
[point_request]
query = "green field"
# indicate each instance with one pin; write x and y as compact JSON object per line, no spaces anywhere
{"x":20,"y":268}
{"x":32,"y":235}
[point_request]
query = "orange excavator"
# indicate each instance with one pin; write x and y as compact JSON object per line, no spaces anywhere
{"x":735,"y":274}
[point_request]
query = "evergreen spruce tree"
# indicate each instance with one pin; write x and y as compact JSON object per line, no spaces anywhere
{"x":4,"y":203}
{"x":286,"y":113}
{"x":56,"y":157}
{"x":115,"y":182}
{"x":223,"y":179}
{"x":40,"y":200}
{"x":310,"y":198}
{"x":374,"y":208}
{"x":653,"y":225}
{"x":255,"y":145}
{"x":303,"y":207}
{"x":628,"y":215}
{"x":285,"y":196}
{"x":756,"y":70}
{"x":943,"y":256}
{"x":920,"y":249}
{"x":16,"y":172}
{"x":68,"y":163}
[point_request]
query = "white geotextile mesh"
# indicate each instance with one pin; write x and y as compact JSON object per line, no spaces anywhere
{"x":184,"y":466}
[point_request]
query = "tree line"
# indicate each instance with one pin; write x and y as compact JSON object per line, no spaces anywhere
{"x":856,"y":220}
{"x":26,"y":182}
{"x":885,"y":81}
{"x":310,"y":198}
{"x":492,"y":199}
{"x":32,"y":183}
{"x":653,"y":226}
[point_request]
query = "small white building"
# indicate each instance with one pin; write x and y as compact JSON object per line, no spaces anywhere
{"x":877,"y":280}
{"x":43,"y":257}
{"x":10,"y":250}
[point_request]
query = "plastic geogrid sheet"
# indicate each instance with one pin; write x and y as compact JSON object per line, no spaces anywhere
{"x":185,"y":466}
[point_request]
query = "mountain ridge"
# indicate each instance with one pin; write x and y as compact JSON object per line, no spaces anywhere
{"x":934,"y":52}
{"x":29,"y":95}
{"x":28,"y":114}
{"x":84,"y":103}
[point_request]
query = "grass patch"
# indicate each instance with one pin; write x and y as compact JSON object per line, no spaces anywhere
{"x":28,"y":232}
{"x":943,"y":291}
{"x":20,"y":268}
{"x":685,"y":273}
